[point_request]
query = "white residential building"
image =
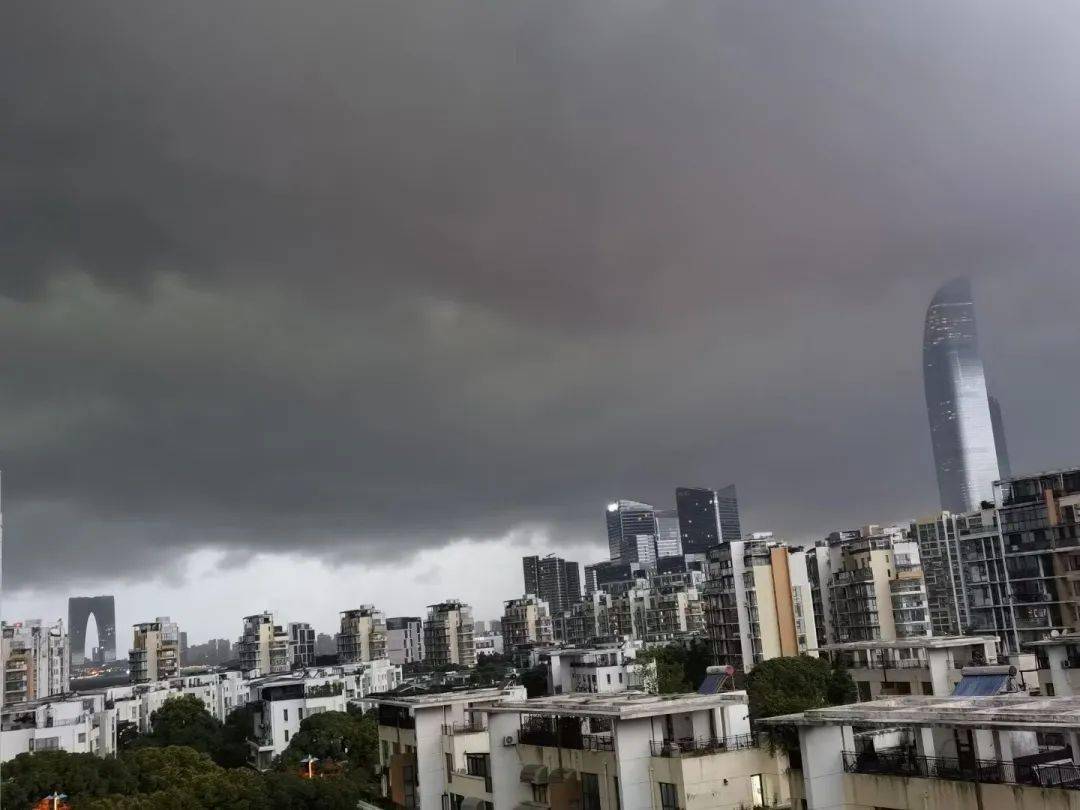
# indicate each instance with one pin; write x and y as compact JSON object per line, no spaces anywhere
{"x":526,"y":621}
{"x":433,"y":746}
{"x":487,"y":644}
{"x":602,"y":670}
{"x":405,"y":639}
{"x":78,"y":725}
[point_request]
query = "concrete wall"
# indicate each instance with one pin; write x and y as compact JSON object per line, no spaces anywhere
{"x":893,"y":792}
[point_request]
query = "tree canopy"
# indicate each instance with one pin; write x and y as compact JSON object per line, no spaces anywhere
{"x":348,"y":737}
{"x":183,"y":720}
{"x":794,"y":684}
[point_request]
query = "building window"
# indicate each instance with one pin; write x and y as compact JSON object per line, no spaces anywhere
{"x":1049,"y":690}
{"x":82,"y":737}
{"x":540,"y":794}
{"x":286,"y":715}
{"x":286,"y":735}
{"x":669,"y":797}
{"x":615,"y":793}
{"x":449,"y":767}
{"x":590,"y":791}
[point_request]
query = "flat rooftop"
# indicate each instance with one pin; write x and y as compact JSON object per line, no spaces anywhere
{"x":620,"y":705}
{"x":921,"y":643}
{"x":440,"y":698}
{"x":1055,"y":641}
{"x":995,"y":711}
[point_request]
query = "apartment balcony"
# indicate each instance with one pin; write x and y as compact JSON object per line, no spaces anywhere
{"x":1041,"y":770}
{"x":470,"y":727}
{"x":699,"y":746}
{"x":565,"y":738}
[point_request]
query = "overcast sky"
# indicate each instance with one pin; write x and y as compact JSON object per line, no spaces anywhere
{"x":304,"y":305}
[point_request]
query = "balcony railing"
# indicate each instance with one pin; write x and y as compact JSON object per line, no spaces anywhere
{"x":696,"y":746}
{"x":470,"y":727}
{"x":903,"y":763}
{"x":562,"y":738}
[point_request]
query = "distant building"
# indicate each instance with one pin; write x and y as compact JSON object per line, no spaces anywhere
{"x":405,"y":639}
{"x":362,"y":636}
{"x":103,"y":609}
{"x":448,"y":634}
{"x":961,"y":425}
{"x":301,"y":645}
{"x":263,"y":646}
{"x":553,"y":579}
{"x":668,"y":534}
{"x":155,"y":651}
{"x":526,"y":621}
{"x":487,"y":644}
{"x":325,"y":644}
{"x":34,"y":660}
{"x":939,"y":554}
{"x":631,"y":530}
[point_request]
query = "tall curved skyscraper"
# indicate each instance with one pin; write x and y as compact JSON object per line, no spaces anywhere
{"x":961,"y":425}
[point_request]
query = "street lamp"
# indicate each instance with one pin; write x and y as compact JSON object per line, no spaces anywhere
{"x":56,"y":797}
{"x":310,"y":761}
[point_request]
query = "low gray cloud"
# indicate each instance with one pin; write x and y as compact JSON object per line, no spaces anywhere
{"x":363,"y":279}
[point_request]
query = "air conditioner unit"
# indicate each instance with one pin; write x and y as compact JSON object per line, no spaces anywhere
{"x":1065,"y":663}
{"x":508,"y":740}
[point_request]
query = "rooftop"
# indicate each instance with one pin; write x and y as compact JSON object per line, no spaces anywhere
{"x":1016,"y":711}
{"x":441,"y":698}
{"x":621,"y":705}
{"x":920,"y":643}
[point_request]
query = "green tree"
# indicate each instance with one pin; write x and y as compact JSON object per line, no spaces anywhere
{"x":794,"y":684}
{"x":535,"y":681}
{"x":233,"y":750}
{"x":670,"y":672}
{"x":352,"y":738}
{"x":183,"y":720}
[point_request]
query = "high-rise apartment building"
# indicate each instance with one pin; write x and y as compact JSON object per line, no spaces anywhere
{"x":631,"y":531}
{"x":553,"y":579}
{"x":448,"y":634}
{"x":939,"y":554}
{"x":706,"y":517}
{"x":961,"y":426}
{"x":35,"y":660}
{"x":301,"y":645}
{"x":155,"y":651}
{"x":362,"y":636}
{"x":405,"y":639}
{"x":526,"y":621}
{"x":263,"y":646}
{"x":877,"y":592}
{"x":1021,"y":561}
{"x":759,"y":602}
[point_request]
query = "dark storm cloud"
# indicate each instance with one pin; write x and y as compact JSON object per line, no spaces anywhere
{"x":371,"y":276}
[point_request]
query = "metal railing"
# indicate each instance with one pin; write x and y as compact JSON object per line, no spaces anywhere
{"x":694,"y":746}
{"x":904,"y":763}
{"x":468,"y":727}
{"x":563,"y":738}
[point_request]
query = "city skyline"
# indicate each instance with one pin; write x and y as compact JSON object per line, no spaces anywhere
{"x":261,"y":316}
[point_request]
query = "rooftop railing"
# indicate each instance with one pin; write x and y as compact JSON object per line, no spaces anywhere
{"x":906,"y":764}
{"x":697,"y":746}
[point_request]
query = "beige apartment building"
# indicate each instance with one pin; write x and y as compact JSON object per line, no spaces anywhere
{"x":526,"y":621}
{"x":155,"y":651}
{"x":448,"y":634}
{"x":758,"y":602}
{"x":362,"y":636}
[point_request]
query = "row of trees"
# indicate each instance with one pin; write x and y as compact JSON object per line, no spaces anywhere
{"x":193,"y":761}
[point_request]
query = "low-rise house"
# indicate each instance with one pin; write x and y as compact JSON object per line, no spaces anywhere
{"x":76,"y":724}
{"x":601,"y":669}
